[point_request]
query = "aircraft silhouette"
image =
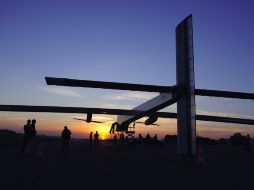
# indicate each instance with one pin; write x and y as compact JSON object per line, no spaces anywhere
{"x":152,"y":110}
{"x":88,"y":119}
{"x":183,"y":94}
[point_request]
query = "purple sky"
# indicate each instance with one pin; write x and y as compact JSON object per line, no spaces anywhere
{"x":123,"y":41}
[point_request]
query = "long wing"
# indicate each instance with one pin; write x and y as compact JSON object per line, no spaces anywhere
{"x":60,"y":109}
{"x":225,"y":94}
{"x":142,"y":87}
{"x":106,"y":85}
{"x":56,"y":109}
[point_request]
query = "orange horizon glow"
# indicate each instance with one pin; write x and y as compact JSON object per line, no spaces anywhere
{"x":53,"y":124}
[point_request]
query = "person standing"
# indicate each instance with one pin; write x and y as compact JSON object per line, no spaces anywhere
{"x":140,"y":139}
{"x":32,"y":137}
{"x":155,"y":137}
{"x":148,"y":136}
{"x":26,"y":136}
{"x":66,"y":136}
{"x":147,"y":139}
{"x":247,"y":143}
{"x":90,"y":139}
{"x":32,"y":129}
{"x":96,"y":139}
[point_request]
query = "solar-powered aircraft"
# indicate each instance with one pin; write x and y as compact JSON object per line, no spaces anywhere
{"x":183,"y":93}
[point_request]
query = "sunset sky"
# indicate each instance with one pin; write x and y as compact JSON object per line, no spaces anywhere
{"x":130,"y":41}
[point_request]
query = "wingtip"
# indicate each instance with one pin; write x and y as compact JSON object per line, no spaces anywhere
{"x":46,"y":79}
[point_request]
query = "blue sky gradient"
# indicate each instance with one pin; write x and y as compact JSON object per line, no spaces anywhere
{"x":123,"y":41}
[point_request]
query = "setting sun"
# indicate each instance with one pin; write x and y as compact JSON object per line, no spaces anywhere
{"x":103,"y":130}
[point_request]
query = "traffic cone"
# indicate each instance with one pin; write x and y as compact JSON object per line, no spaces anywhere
{"x":39,"y":154}
{"x":200,"y":158}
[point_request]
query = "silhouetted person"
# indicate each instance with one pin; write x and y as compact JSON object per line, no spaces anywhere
{"x":96,"y":139}
{"x":148,"y":137}
{"x":32,"y":137}
{"x":247,"y":143}
{"x":32,"y":129}
{"x":155,"y":137}
{"x":140,"y":138}
{"x":90,"y":139}
{"x":26,"y":136}
{"x":66,"y":136}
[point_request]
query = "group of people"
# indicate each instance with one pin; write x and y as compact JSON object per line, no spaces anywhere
{"x":120,"y":139}
{"x":96,"y":139}
{"x":66,"y":136}
{"x":148,"y":138}
{"x":28,"y":143}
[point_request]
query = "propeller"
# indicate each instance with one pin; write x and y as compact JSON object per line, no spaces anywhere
{"x":79,"y":119}
{"x":88,"y":119}
{"x":96,"y":121}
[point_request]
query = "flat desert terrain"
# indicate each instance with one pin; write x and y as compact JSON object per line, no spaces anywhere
{"x":142,"y":167}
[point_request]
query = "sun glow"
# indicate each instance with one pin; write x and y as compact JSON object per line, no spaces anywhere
{"x":103,"y":130}
{"x":53,"y":124}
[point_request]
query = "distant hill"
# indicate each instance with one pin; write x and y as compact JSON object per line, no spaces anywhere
{"x":9,"y":138}
{"x":172,"y":139}
{"x":7,"y":133}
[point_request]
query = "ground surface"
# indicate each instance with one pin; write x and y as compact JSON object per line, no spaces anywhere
{"x":110,"y":168}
